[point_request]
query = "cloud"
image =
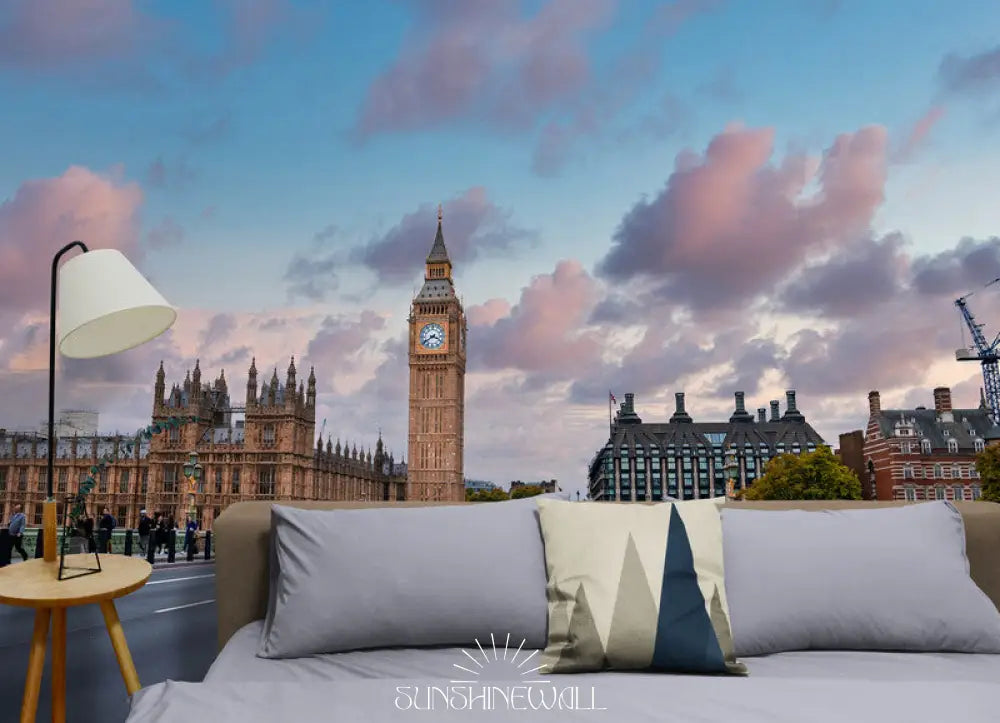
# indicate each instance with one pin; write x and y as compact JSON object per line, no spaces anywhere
{"x":59,"y":35}
{"x":474,"y":227}
{"x":917,"y":137}
{"x":174,"y":176}
{"x":959,"y":270}
{"x":727,"y":227}
{"x":165,"y":234}
{"x":542,"y":332}
{"x":483,"y":60}
{"x":45,"y":214}
{"x":976,"y":73}
{"x":339,"y":343}
{"x":219,"y":329}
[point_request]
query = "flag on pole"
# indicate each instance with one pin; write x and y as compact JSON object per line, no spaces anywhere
{"x":611,"y":397}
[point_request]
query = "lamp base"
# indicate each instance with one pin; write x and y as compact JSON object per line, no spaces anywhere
{"x":49,"y":530}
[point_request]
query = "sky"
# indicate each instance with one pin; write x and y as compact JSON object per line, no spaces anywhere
{"x":706,"y":196}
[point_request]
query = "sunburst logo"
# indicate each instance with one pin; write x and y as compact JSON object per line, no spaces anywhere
{"x":503,"y":662}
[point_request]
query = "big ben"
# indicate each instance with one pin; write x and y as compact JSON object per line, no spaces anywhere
{"x":437,"y":383}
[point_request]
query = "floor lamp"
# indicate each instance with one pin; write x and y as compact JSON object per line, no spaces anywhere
{"x":105,"y":306}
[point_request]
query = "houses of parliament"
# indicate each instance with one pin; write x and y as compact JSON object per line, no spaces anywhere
{"x":266,"y":448}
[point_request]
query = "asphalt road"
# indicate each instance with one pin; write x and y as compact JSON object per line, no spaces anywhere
{"x":170,"y":627}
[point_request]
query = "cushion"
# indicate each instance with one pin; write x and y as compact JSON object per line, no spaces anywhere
{"x":634,"y":587}
{"x":368,"y":578}
{"x":894,"y":578}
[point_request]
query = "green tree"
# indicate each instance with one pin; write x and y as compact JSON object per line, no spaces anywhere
{"x":815,"y":475}
{"x":525,"y":491}
{"x":494,"y":495}
{"x":988,"y":466}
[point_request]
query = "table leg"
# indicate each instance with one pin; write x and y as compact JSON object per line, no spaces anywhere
{"x":59,"y":665}
{"x":117,"y":636}
{"x":36,"y":662}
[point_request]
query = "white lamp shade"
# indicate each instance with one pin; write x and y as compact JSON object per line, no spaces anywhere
{"x":106,"y":306}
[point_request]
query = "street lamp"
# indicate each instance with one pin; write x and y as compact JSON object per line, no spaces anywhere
{"x":732,"y":471}
{"x":192,"y":470}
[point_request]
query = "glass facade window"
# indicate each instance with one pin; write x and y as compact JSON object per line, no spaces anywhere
{"x":703,"y":479}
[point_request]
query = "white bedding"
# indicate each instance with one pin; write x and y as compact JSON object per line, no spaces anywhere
{"x":390,"y":686}
{"x":238,"y":663}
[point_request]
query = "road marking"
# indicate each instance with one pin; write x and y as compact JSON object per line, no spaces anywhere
{"x":181,"y":607}
{"x":178,"y":579}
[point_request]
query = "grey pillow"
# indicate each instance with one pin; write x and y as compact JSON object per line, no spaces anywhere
{"x":405,"y":576}
{"x":894,"y":578}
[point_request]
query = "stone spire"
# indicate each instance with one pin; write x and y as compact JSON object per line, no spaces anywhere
{"x":196,"y":380}
{"x":311,"y":389}
{"x":438,"y":254}
{"x":290,"y":379}
{"x":160,"y":388}
{"x":272,"y":390}
{"x":252,"y":383}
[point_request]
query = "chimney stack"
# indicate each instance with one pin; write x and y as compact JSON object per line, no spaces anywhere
{"x":741,"y":414}
{"x":680,"y":414}
{"x":775,"y":413}
{"x":739,"y":403}
{"x":792,"y":413}
{"x":761,"y":414}
{"x":942,"y":400}
{"x":874,"y":403}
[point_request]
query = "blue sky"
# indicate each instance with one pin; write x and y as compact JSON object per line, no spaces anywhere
{"x":240,"y":129}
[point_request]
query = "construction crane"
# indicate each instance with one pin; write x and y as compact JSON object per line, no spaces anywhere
{"x":985,"y":353}
{"x":322,"y":430}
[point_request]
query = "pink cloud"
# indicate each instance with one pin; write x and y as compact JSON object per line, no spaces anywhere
{"x":484,"y":60}
{"x":917,"y":137}
{"x":729,"y":226}
{"x":542,"y":332}
{"x":45,"y":214}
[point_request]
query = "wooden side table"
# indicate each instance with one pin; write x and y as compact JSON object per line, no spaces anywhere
{"x":34,"y":584}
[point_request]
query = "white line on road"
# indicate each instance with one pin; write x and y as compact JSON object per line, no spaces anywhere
{"x":178,"y":579}
{"x":181,"y":607}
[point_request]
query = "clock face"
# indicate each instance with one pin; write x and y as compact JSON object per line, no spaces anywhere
{"x":432,"y":336}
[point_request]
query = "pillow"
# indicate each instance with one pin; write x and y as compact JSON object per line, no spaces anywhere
{"x":894,"y":578}
{"x":635,"y":587}
{"x":404,"y":576}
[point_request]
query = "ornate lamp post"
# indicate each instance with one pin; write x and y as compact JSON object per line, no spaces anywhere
{"x":732,"y":471}
{"x":192,"y":471}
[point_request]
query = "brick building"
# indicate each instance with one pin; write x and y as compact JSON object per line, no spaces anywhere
{"x":852,"y":455}
{"x":925,"y":454}
{"x":684,"y":459}
{"x":263,"y":449}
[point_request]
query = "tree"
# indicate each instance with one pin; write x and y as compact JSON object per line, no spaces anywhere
{"x":988,"y":466}
{"x":492,"y":495}
{"x":815,"y":475}
{"x":525,"y":491}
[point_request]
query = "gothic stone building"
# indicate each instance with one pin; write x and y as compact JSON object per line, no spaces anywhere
{"x":925,"y":454}
{"x":683,"y":459}
{"x":268,"y":454}
{"x":437,"y":383}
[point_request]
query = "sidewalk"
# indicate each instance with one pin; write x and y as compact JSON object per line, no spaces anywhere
{"x":160,"y":560}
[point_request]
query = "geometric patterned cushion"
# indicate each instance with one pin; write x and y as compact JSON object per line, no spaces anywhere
{"x":636,"y":587}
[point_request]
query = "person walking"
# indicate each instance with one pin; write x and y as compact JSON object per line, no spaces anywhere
{"x":107,"y":526}
{"x":190,"y":534}
{"x":16,"y":530}
{"x":145,"y":526}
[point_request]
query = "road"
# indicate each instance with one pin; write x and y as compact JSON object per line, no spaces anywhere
{"x":170,"y":627}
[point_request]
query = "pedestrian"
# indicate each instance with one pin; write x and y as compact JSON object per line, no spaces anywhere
{"x":145,"y":526}
{"x":88,"y":531}
{"x":161,"y":532}
{"x":16,"y":530}
{"x":107,"y":526}
{"x":190,"y":533}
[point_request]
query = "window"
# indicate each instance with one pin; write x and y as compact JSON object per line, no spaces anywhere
{"x":43,"y":480}
{"x":3,"y":479}
{"x":174,"y":434}
{"x":170,"y":478}
{"x":910,"y":494}
{"x":123,"y":480}
{"x":918,"y":471}
{"x":218,"y":480}
{"x":938,"y":471}
{"x":102,"y":480}
{"x":946,"y":432}
{"x":907,"y":471}
{"x":979,"y":445}
{"x":145,"y":481}
{"x":122,"y":516}
{"x":22,"y":479}
{"x":265,"y":481}
{"x":62,"y":480}
{"x":938,"y":492}
{"x":958,"y":492}
{"x":235,"y":484}
{"x":37,"y":515}
{"x":268,"y":435}
{"x":953,"y":445}
{"x":976,"y":492}
{"x":956,"y":471}
{"x":925,"y":446}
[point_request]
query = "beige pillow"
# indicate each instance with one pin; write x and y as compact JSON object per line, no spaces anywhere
{"x":635,"y":587}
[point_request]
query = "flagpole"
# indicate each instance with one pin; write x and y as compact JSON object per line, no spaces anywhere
{"x":610,"y":428}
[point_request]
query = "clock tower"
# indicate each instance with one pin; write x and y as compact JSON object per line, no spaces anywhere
{"x":435,"y":469}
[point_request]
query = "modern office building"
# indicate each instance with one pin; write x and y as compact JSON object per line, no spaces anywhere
{"x":925,"y":454}
{"x":548,"y":486}
{"x":684,"y":459}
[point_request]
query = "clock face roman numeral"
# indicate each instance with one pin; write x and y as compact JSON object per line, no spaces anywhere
{"x":432,"y":336}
